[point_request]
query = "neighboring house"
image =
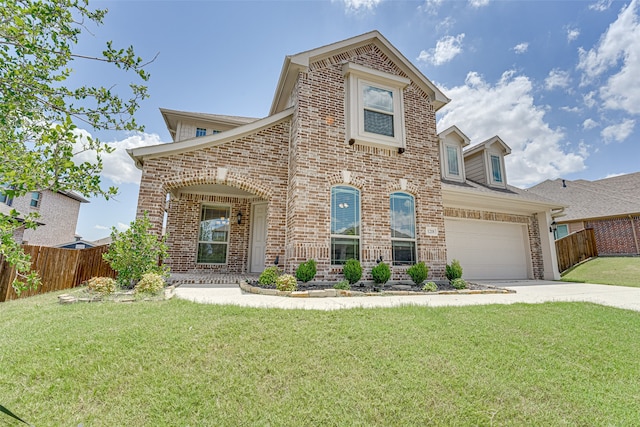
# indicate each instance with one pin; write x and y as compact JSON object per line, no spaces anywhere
{"x":77,"y":244}
{"x":348,"y":164}
{"x":58,"y":216}
{"x":610,"y":206}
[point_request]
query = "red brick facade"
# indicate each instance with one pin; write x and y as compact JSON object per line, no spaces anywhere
{"x":616,"y":236}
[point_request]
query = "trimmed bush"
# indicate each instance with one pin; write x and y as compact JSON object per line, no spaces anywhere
{"x":430,"y":287}
{"x":306,"y":271}
{"x":459,"y":283}
{"x":102,"y":285}
{"x":418,"y":272}
{"x":352,"y":271}
{"x":454,"y":270}
{"x":286,"y":282}
{"x":343,"y":284}
{"x":269,"y":275}
{"x":381,"y":273}
{"x":150,"y":283}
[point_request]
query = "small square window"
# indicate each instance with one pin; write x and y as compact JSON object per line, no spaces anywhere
{"x":35,"y":199}
{"x":201,"y":132}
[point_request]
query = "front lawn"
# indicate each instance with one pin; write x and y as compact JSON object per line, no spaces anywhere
{"x":181,"y":363}
{"x":620,"y":271}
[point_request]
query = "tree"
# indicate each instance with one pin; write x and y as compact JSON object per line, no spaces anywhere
{"x":40,"y":114}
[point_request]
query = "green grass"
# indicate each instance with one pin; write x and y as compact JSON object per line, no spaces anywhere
{"x":622,"y":271}
{"x":180,"y":363}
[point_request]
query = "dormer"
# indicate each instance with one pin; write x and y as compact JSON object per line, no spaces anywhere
{"x":484,"y":162}
{"x":186,"y":125}
{"x":452,"y":142}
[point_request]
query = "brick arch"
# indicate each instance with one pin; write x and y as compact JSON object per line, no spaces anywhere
{"x":339,"y":178}
{"x":409,"y":189}
{"x":218,"y":176}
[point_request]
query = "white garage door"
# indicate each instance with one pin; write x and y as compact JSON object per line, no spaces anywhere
{"x":488,"y":249}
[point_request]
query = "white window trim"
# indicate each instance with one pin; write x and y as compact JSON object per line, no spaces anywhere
{"x":503,"y":183}
{"x":355,"y":77}
{"x":38,"y":200}
{"x":226,"y":259}
{"x":445,"y":162}
{"x":415,"y":230}
{"x":343,"y":236}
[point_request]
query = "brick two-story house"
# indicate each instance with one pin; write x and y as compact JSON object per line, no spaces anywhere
{"x":348,"y":164}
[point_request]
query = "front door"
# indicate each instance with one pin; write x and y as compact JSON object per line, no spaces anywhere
{"x":258,"y":237}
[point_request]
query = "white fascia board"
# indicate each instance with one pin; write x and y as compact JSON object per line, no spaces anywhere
{"x":455,"y":129}
{"x":141,"y":153}
{"x":465,"y":199}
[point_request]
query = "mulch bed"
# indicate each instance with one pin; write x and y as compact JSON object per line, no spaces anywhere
{"x":369,"y":287}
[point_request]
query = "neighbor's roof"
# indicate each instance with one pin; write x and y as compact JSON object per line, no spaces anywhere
{"x":616,"y":196}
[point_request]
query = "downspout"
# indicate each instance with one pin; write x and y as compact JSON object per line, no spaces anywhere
{"x":635,"y":235}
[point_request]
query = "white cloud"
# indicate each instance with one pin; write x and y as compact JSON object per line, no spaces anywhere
{"x":613,"y":175}
{"x":572,"y":34}
{"x":557,"y":79}
{"x":521,"y":48}
{"x":617,"y":51}
{"x":619,"y":132}
{"x":446,"y":49}
{"x":588,"y":99}
{"x":478,"y":3}
{"x":570,"y":109}
{"x":589,"y":124}
{"x":445,"y":25}
{"x":430,"y":6}
{"x":101,"y":227}
{"x":600,"y":5}
{"x":122,"y":227}
{"x":360,"y":5}
{"x":118,"y":166}
{"x":507,"y":109}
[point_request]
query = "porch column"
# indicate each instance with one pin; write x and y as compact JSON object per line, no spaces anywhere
{"x":547,"y":241}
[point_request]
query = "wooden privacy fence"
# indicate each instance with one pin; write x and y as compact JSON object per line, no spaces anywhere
{"x":58,"y":269}
{"x":575,"y":248}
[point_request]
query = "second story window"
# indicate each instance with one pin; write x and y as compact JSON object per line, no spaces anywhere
{"x":453,"y":162}
{"x":201,"y":132}
{"x":496,"y":169}
{"x":35,"y":199}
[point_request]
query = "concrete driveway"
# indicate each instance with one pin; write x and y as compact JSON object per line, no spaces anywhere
{"x":527,"y":291}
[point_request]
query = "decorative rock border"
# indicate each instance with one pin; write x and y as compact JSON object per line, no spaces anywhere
{"x":329,"y":293}
{"x":169,"y":292}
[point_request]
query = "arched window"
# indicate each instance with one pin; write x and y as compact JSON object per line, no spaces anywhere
{"x":345,"y":224}
{"x":403,"y":229}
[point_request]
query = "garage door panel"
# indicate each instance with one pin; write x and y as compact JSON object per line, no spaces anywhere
{"x":488,"y":250}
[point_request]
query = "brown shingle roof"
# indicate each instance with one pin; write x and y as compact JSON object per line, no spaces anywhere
{"x":619,"y":195}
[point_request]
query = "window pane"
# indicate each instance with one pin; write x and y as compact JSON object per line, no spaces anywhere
{"x":495,"y":168}
{"x":201,"y":132}
{"x":344,"y":249}
{"x":212,"y":253}
{"x":403,"y":222}
{"x":35,"y":199}
{"x":345,"y":211}
{"x":378,"y":99}
{"x":452,"y":160}
{"x":214,"y":224}
{"x":403,"y":252}
{"x":562,"y":231}
{"x":379,"y":123}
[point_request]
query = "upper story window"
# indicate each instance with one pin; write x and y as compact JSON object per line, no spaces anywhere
{"x":4,"y":198}
{"x":36,"y":197}
{"x":345,"y":224}
{"x":374,"y":106}
{"x":496,"y":169}
{"x":452,"y":161}
{"x":213,"y":239}
{"x":403,"y":229}
{"x":201,"y":132}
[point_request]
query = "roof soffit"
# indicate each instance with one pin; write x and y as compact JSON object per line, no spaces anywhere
{"x":295,"y":64}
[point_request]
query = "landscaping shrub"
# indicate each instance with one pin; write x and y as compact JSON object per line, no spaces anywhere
{"x":352,"y":271}
{"x":343,"y":284}
{"x":418,"y":272}
{"x":381,"y":273}
{"x":135,"y":252}
{"x":454,"y":270}
{"x":269,"y":275}
{"x":306,"y":271}
{"x":102,"y":285}
{"x":459,"y":283}
{"x":151,"y":283}
{"x":286,"y":282}
{"x":430,"y":287}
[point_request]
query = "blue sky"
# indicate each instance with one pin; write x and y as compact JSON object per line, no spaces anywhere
{"x":556,"y":80}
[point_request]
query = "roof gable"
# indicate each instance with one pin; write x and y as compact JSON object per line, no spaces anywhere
{"x":297,"y":63}
{"x":493,"y":142}
{"x":459,"y":135}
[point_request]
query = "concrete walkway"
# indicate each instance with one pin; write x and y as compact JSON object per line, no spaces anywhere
{"x":527,"y":291}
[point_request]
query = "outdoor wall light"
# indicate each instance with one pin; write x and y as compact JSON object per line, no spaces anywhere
{"x":554,"y":226}
{"x":239,"y":217}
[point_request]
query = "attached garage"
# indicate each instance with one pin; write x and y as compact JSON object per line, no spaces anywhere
{"x":488,"y":249}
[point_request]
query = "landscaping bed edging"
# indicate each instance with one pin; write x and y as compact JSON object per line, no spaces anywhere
{"x":330,"y":293}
